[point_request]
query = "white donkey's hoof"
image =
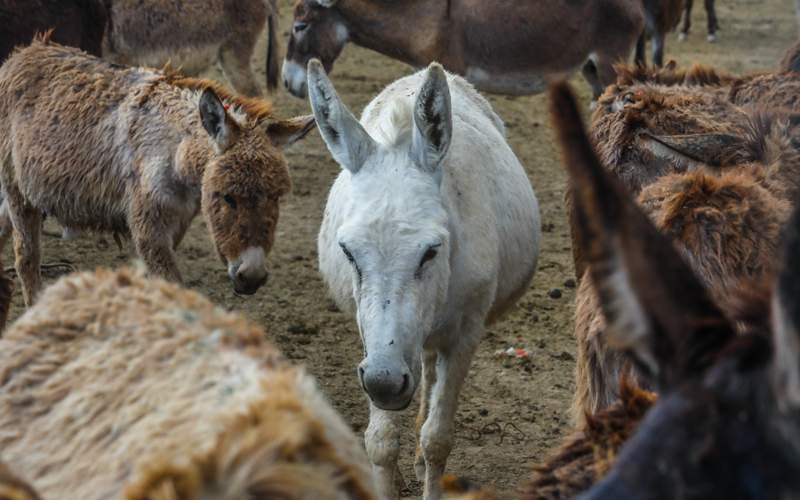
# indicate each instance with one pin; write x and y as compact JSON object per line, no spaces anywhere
{"x":682,"y":37}
{"x":712,"y":38}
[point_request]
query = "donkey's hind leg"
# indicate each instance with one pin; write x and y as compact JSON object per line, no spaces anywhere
{"x":687,"y":20}
{"x":27,"y":223}
{"x":234,"y":56}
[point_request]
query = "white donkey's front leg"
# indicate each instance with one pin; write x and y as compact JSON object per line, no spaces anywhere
{"x":382,"y":440}
{"x":438,"y":431}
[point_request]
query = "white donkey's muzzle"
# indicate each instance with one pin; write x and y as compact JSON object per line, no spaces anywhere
{"x":388,"y":382}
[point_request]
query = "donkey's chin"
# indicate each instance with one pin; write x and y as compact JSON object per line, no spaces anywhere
{"x":395,"y":405}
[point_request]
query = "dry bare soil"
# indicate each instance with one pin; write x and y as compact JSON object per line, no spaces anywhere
{"x":511,"y":413}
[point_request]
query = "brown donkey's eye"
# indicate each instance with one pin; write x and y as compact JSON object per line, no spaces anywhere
{"x":230,"y":201}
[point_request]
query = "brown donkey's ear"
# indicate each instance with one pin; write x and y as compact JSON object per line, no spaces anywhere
{"x":786,"y":319}
{"x":220,"y":127}
{"x":655,"y":307}
{"x":284,"y":133}
{"x":710,"y":149}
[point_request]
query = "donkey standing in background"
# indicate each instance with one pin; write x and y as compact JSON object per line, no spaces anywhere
{"x":506,"y":47}
{"x":193,"y":33}
{"x":137,"y":151}
{"x":432,"y":231}
{"x":711,"y":17}
{"x":661,"y":17}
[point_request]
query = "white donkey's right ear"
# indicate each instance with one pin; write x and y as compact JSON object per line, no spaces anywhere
{"x":326,"y":3}
{"x":346,"y":139}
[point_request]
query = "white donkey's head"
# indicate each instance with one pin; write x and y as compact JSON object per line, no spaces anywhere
{"x":396,"y":234}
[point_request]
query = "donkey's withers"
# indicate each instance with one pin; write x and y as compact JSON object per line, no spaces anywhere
{"x":431,"y":230}
{"x":140,"y":152}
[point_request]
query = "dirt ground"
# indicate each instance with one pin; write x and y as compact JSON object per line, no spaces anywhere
{"x":511,"y":413}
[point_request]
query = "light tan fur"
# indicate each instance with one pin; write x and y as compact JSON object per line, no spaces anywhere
{"x":153,"y":32}
{"x":124,"y":150}
{"x":119,"y":386}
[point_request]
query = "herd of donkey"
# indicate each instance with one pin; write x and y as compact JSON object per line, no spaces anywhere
{"x":681,"y":198}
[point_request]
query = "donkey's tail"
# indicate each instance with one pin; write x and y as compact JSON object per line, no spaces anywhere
{"x":272,"y":46}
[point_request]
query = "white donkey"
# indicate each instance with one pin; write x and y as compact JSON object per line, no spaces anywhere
{"x":432,"y":231}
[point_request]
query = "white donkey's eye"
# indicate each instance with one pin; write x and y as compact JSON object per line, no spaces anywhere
{"x":347,"y":253}
{"x":429,"y":254}
{"x":351,"y":259}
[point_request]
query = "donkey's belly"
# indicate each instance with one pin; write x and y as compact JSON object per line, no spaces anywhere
{"x":191,"y":60}
{"x":508,"y":83}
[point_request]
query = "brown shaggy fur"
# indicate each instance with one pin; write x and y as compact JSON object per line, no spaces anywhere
{"x":767,"y":90}
{"x":133,"y":150}
{"x":725,"y":222}
{"x":117,"y":386}
{"x":589,"y":453}
{"x":696,"y":75}
{"x":728,"y":375}
{"x":726,"y":226}
{"x":193,"y":33}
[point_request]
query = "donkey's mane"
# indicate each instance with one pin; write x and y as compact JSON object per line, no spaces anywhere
{"x":697,"y":75}
{"x":255,"y":108}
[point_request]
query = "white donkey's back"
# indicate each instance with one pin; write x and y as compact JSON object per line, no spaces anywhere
{"x":431,"y":230}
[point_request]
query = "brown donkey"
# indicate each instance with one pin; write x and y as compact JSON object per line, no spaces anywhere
{"x":191,"y":33}
{"x":138,"y":152}
{"x":727,"y":423}
{"x":505,"y":47}
{"x":725,"y":217}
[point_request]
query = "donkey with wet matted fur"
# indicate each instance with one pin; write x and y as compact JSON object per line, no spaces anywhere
{"x":431,"y":231}
{"x":138,"y":152}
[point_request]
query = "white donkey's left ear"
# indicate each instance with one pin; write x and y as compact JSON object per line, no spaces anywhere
{"x":433,"y":121}
{"x":326,"y":3}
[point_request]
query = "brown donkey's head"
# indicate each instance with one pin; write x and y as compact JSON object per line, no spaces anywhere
{"x":727,"y":424}
{"x":646,"y":131}
{"x":242,"y":186}
{"x":318,"y":32}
